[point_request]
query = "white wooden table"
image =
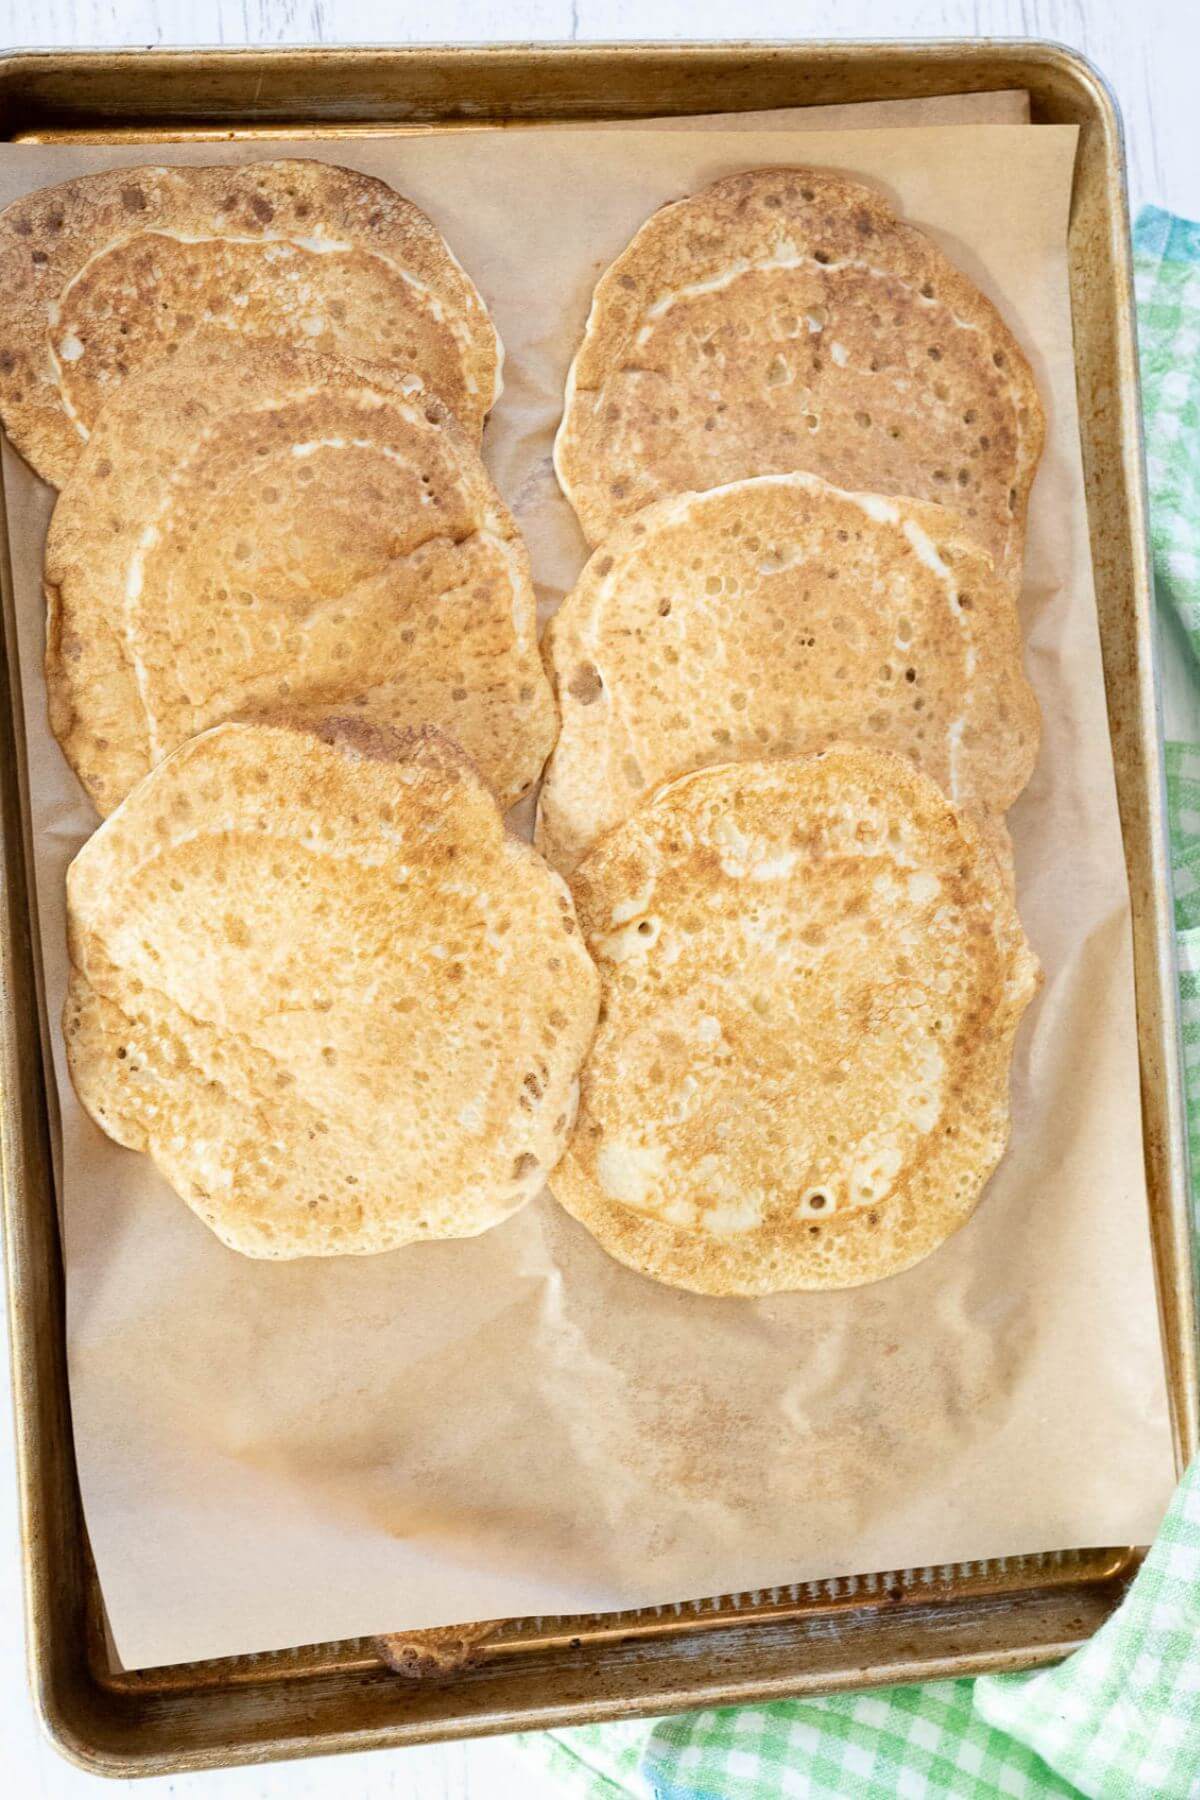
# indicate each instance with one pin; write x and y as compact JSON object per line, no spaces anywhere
{"x":1149,"y":50}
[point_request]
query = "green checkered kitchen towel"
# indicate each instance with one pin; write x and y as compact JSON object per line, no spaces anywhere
{"x":1120,"y":1720}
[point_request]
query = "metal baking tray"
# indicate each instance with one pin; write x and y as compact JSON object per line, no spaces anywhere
{"x":907,"y":1626}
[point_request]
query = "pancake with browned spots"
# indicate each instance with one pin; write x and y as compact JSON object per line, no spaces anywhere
{"x":107,"y":273}
{"x":254,"y":525}
{"x":787,"y":319}
{"x":812,"y":976}
{"x":773,"y":616}
{"x":317,"y":981}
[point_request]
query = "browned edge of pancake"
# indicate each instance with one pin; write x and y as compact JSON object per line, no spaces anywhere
{"x":694,"y":231}
{"x":48,"y":237}
{"x":125,"y":476}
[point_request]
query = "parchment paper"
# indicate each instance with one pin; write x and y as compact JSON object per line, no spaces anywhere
{"x":280,"y":1453}
{"x":1007,"y":106}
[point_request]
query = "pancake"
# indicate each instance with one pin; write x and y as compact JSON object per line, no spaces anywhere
{"x":770,"y":617}
{"x":786,"y":319}
{"x":107,"y":273}
{"x":811,"y":976}
{"x":253,"y":525}
{"x":314,"y":978}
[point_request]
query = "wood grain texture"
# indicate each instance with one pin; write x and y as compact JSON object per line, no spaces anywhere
{"x":1149,"y":51}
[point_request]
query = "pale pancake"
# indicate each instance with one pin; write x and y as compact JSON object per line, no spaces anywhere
{"x":812,"y":976}
{"x":254,"y":525}
{"x":786,"y":319}
{"x":106,"y":273}
{"x":773,"y":616}
{"x":315,"y":979}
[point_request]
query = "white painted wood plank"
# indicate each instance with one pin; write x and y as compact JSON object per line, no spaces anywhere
{"x":40,"y":22}
{"x":1149,"y":51}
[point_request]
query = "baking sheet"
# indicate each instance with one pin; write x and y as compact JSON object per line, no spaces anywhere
{"x":272,"y":1454}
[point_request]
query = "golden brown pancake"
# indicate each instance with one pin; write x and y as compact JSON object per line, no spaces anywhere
{"x":773,"y":616}
{"x":107,"y":273}
{"x":812,"y":976}
{"x":786,"y":319}
{"x":315,"y":979}
{"x":254,"y":525}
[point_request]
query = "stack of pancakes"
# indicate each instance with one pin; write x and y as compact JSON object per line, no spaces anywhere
{"x":292,"y":658}
{"x":794,"y":714}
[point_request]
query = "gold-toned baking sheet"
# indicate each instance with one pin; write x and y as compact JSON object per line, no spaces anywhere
{"x":322,"y":1698}
{"x":516,"y":1425}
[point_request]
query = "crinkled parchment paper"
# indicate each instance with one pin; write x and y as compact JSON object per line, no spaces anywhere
{"x":281,"y":1453}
